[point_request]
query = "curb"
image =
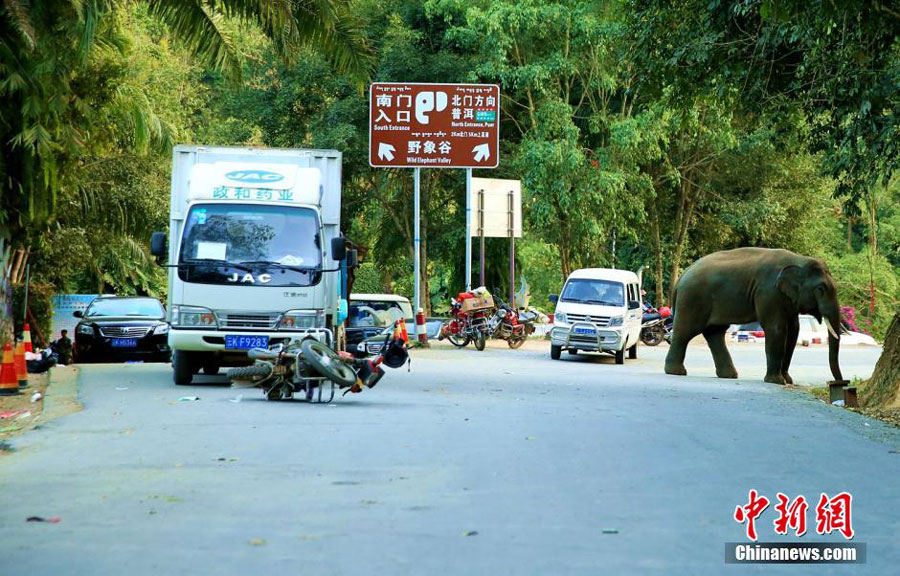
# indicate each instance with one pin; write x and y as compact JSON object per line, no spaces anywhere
{"x":61,"y":398}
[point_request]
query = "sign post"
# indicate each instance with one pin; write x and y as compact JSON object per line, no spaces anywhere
{"x":417,"y":125}
{"x":500,"y":216}
{"x":468,"y":229}
{"x":416,"y":242}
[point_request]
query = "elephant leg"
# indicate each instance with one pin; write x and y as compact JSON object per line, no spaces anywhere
{"x":793,"y":330}
{"x":776,"y":337}
{"x":684,"y":331}
{"x":715,"y":338}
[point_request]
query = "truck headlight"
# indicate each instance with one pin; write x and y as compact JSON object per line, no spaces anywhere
{"x":192,"y":317}
{"x":561,"y":317}
{"x":161,"y":329}
{"x":616,"y":321}
{"x":302,"y":320}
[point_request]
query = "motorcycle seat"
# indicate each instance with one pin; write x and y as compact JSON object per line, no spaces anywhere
{"x":649,"y":317}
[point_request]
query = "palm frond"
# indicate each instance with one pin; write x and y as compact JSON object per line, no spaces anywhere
{"x":18,"y":16}
{"x":200,"y":27}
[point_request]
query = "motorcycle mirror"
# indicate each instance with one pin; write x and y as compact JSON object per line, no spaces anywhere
{"x":634,"y":304}
{"x":554,"y":298}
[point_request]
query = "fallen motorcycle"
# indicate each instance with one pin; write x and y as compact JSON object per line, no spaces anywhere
{"x":314,"y":371}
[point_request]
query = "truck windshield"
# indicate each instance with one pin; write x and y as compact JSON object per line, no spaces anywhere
{"x":589,"y":291}
{"x":251,"y":245}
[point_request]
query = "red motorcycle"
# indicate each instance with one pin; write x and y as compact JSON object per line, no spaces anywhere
{"x":507,"y":324}
{"x":470,"y":313}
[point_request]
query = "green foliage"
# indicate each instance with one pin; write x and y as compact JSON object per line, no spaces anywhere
{"x":40,"y":304}
{"x":367,"y":280}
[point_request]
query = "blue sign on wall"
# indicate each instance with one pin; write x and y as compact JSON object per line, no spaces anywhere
{"x":63,"y":307}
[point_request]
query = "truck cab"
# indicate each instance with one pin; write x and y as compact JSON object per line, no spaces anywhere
{"x":254,"y":253}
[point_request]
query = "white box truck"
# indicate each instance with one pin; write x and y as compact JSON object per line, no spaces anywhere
{"x":254,"y":253}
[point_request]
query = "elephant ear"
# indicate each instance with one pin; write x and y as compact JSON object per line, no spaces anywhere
{"x":789,"y":281}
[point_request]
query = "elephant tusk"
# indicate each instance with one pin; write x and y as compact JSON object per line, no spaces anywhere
{"x":831,"y":329}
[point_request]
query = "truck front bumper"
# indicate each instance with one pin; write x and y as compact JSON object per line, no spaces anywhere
{"x":601,"y":340}
{"x":214,"y":340}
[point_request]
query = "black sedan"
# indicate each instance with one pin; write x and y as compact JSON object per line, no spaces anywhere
{"x":116,"y":328}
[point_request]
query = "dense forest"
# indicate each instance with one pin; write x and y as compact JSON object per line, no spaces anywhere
{"x":646,"y":133}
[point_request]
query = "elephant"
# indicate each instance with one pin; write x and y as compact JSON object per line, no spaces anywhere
{"x":771,"y":286}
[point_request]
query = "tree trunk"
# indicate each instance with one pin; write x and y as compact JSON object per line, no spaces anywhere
{"x":657,"y":252}
{"x":883,"y":389}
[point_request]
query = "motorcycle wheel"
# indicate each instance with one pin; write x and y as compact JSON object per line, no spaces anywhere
{"x":651,"y":336}
{"x":328,"y":363}
{"x":516,"y":342}
{"x":458,"y":340}
{"x":254,"y":373}
{"x":480,"y":342}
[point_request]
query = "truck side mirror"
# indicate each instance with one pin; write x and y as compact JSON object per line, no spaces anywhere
{"x":554,"y":298}
{"x":158,"y":244}
{"x":633,"y":304}
{"x":352,"y":259}
{"x":339,"y":248}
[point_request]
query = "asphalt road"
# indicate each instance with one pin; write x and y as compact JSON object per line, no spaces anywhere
{"x":500,"y":462}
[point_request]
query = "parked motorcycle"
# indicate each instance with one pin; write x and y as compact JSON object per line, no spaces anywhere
{"x":656,"y":325}
{"x":315,"y":371}
{"x":469,"y":316}
{"x":510,"y":325}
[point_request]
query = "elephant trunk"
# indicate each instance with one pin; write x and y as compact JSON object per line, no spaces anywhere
{"x":832,"y":318}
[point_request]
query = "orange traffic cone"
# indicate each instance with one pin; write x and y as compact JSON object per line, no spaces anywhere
{"x":8,"y":383}
{"x":21,"y":366}
{"x":403,"y":333}
{"x":27,"y":337}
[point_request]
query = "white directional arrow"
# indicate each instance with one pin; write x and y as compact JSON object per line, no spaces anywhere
{"x":385,"y":151}
{"x":482,"y":152}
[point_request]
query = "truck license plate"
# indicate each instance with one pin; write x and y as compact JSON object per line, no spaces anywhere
{"x":124,"y":343}
{"x":589,"y":331}
{"x":238,"y":342}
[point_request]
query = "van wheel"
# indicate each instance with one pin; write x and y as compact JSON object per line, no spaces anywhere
{"x":632,"y":352}
{"x":181,"y":365}
{"x":620,"y":356}
{"x":555,"y":352}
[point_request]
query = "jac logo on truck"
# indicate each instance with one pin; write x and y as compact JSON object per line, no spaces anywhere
{"x":248,"y":278}
{"x":254,"y":176}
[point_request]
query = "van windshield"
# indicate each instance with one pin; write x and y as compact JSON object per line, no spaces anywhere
{"x":589,"y":291}
{"x":251,"y":244}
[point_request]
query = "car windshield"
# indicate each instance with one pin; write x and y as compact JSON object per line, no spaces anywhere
{"x":126,"y":307}
{"x":589,"y":291}
{"x":374,"y":313}
{"x":239,"y":243}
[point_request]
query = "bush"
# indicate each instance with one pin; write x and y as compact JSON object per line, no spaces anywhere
{"x":40,"y":303}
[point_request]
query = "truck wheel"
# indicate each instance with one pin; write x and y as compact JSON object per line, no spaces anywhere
{"x":555,"y":352}
{"x":620,"y":356}
{"x":632,"y":352}
{"x":181,"y":365}
{"x":210,"y":368}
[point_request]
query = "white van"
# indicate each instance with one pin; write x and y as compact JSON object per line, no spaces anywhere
{"x":599,"y":310}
